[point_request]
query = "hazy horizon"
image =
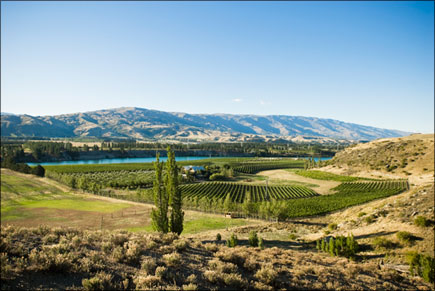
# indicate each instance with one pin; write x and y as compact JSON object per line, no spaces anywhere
{"x":368,"y":63}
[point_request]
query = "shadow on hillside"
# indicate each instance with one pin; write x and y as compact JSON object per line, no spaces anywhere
{"x":381,"y":233}
{"x":307,"y":223}
{"x":294,"y":245}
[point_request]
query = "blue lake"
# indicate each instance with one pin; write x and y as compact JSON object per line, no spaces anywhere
{"x":130,"y":160}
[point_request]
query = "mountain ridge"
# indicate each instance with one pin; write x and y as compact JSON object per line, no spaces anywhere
{"x":148,"y":124}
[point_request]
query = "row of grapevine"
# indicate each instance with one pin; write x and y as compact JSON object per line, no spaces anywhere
{"x":119,"y":179}
{"x":237,"y":191}
{"x":374,"y":185}
{"x":252,"y":168}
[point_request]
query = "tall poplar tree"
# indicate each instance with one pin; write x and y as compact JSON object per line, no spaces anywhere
{"x":174,"y":194}
{"x":159,"y":215}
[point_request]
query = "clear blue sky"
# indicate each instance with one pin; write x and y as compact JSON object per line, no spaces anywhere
{"x":369,"y":63}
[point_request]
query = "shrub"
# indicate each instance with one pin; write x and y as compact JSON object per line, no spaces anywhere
{"x":101,"y":281}
{"x":132,"y":252}
{"x":222,"y":267}
{"x":292,"y":236}
{"x":267,"y":274}
{"x":161,"y":271}
{"x":118,"y":254}
{"x":146,"y":282}
{"x":230,"y":255}
{"x":148,"y":264}
{"x":253,"y":239}
{"x":6,"y":267}
{"x":361,"y":214}
{"x":261,"y":243}
{"x":369,"y":219}
{"x":189,"y":287}
{"x":422,"y":265}
{"x":383,"y":243}
{"x":218,"y":237}
{"x":232,"y":241}
{"x":172,"y":259}
{"x":332,"y":226}
{"x":339,"y":246}
{"x":180,"y":245}
{"x":191,"y":279}
{"x":234,"y":280}
{"x":211,"y":247}
{"x":405,"y":237}
{"x":421,"y":221}
{"x":118,"y":239}
{"x":211,"y":276}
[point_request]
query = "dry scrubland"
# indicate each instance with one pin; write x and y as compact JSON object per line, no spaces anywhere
{"x":70,"y":258}
{"x":115,"y":258}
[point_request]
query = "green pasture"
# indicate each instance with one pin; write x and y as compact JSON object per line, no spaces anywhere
{"x":200,"y":223}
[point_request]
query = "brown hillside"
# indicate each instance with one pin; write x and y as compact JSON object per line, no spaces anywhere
{"x":405,"y":156}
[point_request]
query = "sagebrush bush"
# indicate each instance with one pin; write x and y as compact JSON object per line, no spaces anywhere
{"x":118,"y":254}
{"x":234,"y":280}
{"x":266,"y":274}
{"x":172,"y":259}
{"x":118,"y":239}
{"x":147,"y":282}
{"x":422,"y":265}
{"x":383,"y":243}
{"x":332,"y":226}
{"x":421,"y":221}
{"x":180,"y":244}
{"x":161,"y":271}
{"x":230,"y":255}
{"x":132,"y":252}
{"x":405,"y":237}
{"x":211,"y":276}
{"x":211,"y":247}
{"x":191,"y":279}
{"x":222,"y":267}
{"x":148,"y":265}
{"x":189,"y":287}
{"x":101,"y":281}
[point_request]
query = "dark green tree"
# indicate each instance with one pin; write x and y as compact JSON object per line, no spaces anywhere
{"x":159,"y":215}
{"x":174,"y":194}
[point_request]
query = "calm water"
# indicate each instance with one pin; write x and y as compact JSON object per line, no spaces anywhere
{"x":129,"y":160}
{"x":116,"y":161}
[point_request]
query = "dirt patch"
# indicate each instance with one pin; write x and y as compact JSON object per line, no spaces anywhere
{"x":324,"y":187}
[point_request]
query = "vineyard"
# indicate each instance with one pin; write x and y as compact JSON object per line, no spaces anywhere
{"x":219,"y":190}
{"x":118,"y":179}
{"x":255,"y":167}
{"x":348,"y":194}
{"x":373,"y":186}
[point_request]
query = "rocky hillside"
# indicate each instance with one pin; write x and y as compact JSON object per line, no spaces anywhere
{"x":404,"y":156}
{"x":144,"y":124}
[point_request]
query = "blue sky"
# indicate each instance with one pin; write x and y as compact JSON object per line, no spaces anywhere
{"x":369,"y":63}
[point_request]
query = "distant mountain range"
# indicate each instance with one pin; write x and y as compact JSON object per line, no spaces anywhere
{"x":144,"y":124}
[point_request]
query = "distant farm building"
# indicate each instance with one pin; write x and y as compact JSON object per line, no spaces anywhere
{"x":193,"y":169}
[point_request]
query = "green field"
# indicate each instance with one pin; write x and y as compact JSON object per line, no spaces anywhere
{"x":203,"y":223}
